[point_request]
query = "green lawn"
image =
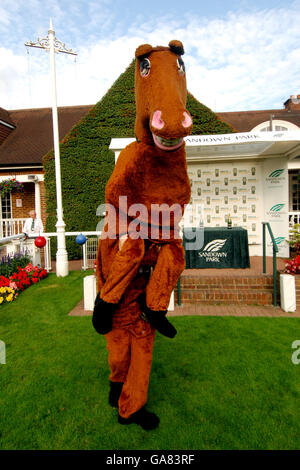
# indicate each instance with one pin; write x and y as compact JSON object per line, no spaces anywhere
{"x":222,"y":383}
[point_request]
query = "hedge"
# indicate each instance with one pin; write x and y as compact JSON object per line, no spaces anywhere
{"x":86,"y":161}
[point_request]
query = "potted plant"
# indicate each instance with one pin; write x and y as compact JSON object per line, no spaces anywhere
{"x":10,"y":185}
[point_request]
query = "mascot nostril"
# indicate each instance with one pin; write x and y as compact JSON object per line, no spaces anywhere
{"x":157,"y":121}
{"x":140,"y":259}
{"x":187,"y":120}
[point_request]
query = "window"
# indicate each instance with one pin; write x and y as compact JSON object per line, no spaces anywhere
{"x":278,"y":125}
{"x":275,"y":128}
{"x":6,"y":206}
{"x":294,"y":190}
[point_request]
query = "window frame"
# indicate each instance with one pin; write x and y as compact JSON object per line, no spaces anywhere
{"x":276,"y":122}
{"x":10,"y":207}
{"x":291,"y":174}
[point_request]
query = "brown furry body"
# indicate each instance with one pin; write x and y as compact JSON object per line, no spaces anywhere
{"x":146,"y":175}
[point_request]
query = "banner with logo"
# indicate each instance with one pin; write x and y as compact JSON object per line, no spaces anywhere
{"x":221,"y":248}
{"x":276,"y":203}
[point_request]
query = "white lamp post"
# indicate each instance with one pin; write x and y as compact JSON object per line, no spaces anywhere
{"x":51,"y":44}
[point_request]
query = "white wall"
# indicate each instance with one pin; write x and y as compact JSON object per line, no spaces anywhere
{"x":230,"y":187}
{"x":251,"y":191}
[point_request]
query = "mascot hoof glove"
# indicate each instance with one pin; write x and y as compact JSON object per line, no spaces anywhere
{"x":156,"y":318}
{"x":114,"y":393}
{"x":102,"y":316}
{"x":143,"y":418}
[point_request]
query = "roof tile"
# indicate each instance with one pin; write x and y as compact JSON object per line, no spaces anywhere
{"x":33,"y":136}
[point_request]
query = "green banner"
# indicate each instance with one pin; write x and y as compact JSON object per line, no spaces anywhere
{"x":222,"y":248}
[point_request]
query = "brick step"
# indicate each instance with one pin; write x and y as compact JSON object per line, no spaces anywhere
{"x":253,"y":281}
{"x":227,"y":283}
{"x":201,"y":287}
{"x":227,"y":296}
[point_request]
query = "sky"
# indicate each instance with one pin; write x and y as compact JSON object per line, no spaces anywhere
{"x":239,"y":54}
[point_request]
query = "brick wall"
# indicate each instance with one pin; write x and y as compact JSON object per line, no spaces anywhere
{"x":28,"y":197}
{"x":28,"y":201}
{"x":15,"y":173}
{"x":249,"y":290}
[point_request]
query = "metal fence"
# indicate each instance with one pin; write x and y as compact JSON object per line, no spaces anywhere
{"x":90,"y":252}
{"x":15,"y":244}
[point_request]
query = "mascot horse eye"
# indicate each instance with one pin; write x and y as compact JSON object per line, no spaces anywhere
{"x":180,"y":65}
{"x":145,"y":67}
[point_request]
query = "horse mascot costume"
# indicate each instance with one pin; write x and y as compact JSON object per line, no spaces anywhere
{"x":138,"y":270}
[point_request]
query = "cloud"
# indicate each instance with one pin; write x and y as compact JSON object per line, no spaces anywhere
{"x":246,"y":60}
{"x":12,"y":79}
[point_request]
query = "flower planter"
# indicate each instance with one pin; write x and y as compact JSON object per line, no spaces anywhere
{"x":10,"y":185}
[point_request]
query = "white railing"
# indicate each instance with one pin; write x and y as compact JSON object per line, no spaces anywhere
{"x":294,"y":218}
{"x":9,"y":227}
{"x":16,"y":245}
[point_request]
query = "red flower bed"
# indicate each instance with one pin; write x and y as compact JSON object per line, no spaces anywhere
{"x":25,"y":277}
{"x":293,"y":265}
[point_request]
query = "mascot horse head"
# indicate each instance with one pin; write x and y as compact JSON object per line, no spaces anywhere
{"x":160,"y":89}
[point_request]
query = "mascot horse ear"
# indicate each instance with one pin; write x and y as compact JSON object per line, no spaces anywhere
{"x":143,"y":50}
{"x":176,"y":47}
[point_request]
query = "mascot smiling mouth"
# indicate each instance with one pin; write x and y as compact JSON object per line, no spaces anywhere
{"x":173,"y":143}
{"x":167,"y":144}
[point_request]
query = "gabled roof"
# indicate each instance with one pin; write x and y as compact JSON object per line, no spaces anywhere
{"x":5,"y":117}
{"x":87,"y":162}
{"x":33,"y":136}
{"x":245,"y":121}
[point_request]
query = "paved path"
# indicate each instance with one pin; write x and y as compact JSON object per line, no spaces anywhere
{"x":233,"y":310}
{"x":256,"y":268}
{"x":216,"y":310}
{"x":213,"y":310}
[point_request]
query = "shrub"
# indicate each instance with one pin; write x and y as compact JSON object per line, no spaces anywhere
{"x":7,"y":294}
{"x":27,"y":276}
{"x":9,"y":264}
{"x":22,"y":278}
{"x":87,"y":162}
{"x":293,"y":266}
{"x":294,"y":240}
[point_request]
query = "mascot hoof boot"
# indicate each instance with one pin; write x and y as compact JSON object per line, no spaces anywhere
{"x":159,"y":321}
{"x":114,"y":393}
{"x":102,"y":316}
{"x":143,"y":418}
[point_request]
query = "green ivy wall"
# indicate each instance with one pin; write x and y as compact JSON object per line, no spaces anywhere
{"x":86,"y":161}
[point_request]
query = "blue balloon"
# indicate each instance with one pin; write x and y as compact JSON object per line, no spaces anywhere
{"x":80,"y":239}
